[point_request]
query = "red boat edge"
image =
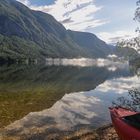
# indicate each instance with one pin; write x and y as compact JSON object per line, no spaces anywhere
{"x":125,"y":130}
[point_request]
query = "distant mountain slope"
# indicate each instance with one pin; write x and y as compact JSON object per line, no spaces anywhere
{"x":25,"y":33}
{"x":91,"y":43}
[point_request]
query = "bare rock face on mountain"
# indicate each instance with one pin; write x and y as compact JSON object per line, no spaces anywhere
{"x":25,"y":33}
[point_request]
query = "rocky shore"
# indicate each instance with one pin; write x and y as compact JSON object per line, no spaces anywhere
{"x":103,"y":133}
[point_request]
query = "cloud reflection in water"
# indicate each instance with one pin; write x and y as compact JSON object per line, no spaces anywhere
{"x":80,"y":109}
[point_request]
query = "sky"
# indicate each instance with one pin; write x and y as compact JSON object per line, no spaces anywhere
{"x":110,"y":20}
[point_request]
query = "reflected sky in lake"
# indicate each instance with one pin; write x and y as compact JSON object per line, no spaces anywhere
{"x":86,"y":94}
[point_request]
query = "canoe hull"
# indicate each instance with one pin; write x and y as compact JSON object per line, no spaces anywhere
{"x":125,"y":131}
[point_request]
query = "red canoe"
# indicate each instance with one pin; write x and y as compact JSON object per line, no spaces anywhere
{"x":126,"y":123}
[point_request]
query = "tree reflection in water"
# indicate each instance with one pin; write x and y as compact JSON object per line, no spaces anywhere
{"x":132,"y":101}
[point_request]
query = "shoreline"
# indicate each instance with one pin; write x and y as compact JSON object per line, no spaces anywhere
{"x":106,"y":132}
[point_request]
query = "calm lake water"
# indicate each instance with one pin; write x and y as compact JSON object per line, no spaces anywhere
{"x":62,"y":95}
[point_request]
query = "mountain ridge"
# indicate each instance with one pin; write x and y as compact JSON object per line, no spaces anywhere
{"x":25,"y":33}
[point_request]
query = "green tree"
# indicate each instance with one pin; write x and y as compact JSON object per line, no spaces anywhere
{"x":132,"y":101}
{"x":135,"y":41}
{"x":137,"y":13}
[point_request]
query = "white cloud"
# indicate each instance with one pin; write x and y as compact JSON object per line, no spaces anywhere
{"x":114,"y":37}
{"x":74,"y":14}
{"x":25,"y":2}
{"x":79,"y":15}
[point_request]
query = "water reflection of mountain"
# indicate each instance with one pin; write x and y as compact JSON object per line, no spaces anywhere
{"x":29,"y":88}
{"x":70,"y":78}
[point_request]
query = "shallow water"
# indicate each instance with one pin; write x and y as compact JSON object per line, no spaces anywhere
{"x":57,"y":98}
